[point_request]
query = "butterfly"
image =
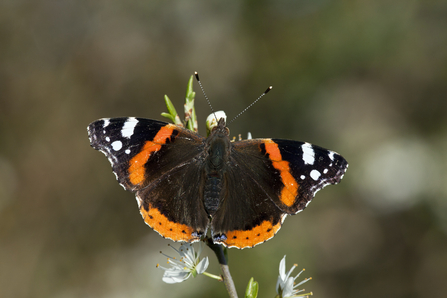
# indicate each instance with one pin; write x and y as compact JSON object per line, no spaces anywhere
{"x":185,"y":183}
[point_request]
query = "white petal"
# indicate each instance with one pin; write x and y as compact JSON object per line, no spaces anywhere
{"x":278,"y":284}
{"x":202,"y":266}
{"x":188,"y":254}
{"x":282,"y":275}
{"x":287,"y":291}
{"x":282,"y":268}
{"x":175,"y":276}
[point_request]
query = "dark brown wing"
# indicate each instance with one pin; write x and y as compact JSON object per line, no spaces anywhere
{"x":266,"y":179}
{"x":162,"y":163}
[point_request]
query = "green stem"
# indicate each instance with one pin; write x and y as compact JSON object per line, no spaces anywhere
{"x":227,"y":279}
{"x":304,"y":295}
{"x":219,"y":278}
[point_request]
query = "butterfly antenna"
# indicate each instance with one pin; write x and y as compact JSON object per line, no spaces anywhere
{"x":204,"y":94}
{"x":265,"y":92}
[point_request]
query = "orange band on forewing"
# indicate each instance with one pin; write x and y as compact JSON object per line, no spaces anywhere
{"x":136,"y":168}
{"x":250,"y":238}
{"x":164,"y":133}
{"x":165,"y":227}
{"x":136,"y":164}
{"x":290,"y":189}
{"x":272,"y":149}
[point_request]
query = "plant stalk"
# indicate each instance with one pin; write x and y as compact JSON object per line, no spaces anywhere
{"x":227,"y":279}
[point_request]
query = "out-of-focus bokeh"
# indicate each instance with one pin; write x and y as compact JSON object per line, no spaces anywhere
{"x":367,"y":79}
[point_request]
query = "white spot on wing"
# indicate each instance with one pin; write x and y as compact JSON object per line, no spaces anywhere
{"x":127,"y":151}
{"x":302,"y":177}
{"x":117,"y":145}
{"x":129,"y":127}
{"x":308,"y":154}
{"x":139,"y":202}
{"x":331,"y":155}
{"x":107,"y":139}
{"x":325,"y":171}
{"x":106,"y":122}
{"x":314,"y":174}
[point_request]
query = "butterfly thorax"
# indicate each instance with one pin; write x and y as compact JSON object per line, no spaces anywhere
{"x":217,"y":149}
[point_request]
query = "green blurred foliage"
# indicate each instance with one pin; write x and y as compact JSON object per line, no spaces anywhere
{"x":364,"y":78}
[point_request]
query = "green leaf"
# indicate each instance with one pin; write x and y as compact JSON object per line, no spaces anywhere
{"x":169,"y":116}
{"x":252,"y":289}
{"x":170,"y":106}
{"x":172,"y":113}
{"x":190,"y":94}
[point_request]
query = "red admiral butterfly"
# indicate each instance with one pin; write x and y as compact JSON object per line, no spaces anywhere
{"x":185,"y":183}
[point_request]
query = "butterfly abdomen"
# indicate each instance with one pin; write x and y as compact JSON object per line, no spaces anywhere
{"x":211,"y":193}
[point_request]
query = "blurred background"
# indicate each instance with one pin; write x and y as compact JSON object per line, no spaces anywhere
{"x":364,"y":78}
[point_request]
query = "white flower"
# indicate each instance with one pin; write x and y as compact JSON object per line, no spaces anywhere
{"x":213,"y":119}
{"x":188,"y":264}
{"x":285,"y":286}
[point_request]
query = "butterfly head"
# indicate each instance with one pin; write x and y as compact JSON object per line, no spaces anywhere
{"x":221,"y":128}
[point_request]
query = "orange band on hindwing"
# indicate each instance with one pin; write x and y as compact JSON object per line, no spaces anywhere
{"x":136,"y":164}
{"x":165,"y":227}
{"x":249,"y":238}
{"x":290,"y":190}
